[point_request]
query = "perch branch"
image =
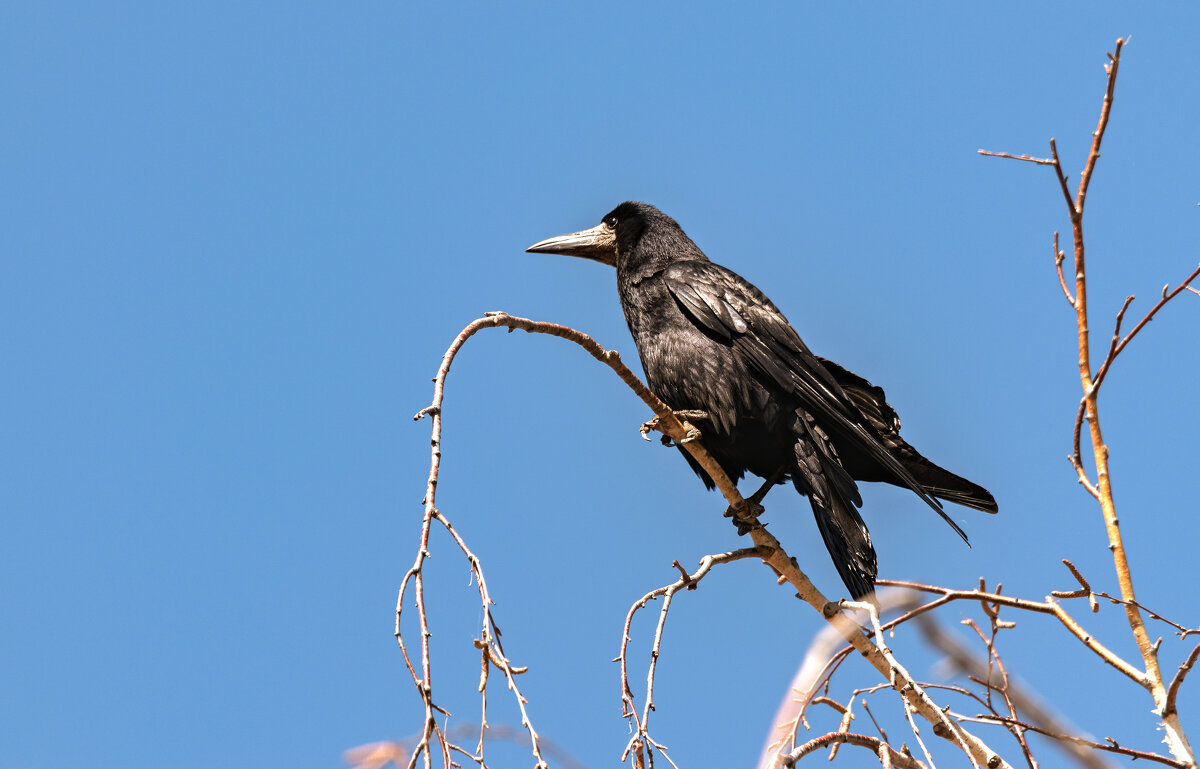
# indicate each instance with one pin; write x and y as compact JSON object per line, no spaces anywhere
{"x":780,"y":562}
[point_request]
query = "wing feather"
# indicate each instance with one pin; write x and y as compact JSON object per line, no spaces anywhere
{"x":734,"y":310}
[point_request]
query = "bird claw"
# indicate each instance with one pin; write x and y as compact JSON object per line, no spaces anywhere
{"x":754,"y":510}
{"x":746,"y":523}
{"x":692,"y":432}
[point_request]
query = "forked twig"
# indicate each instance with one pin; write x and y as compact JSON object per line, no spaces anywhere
{"x":641,"y":725}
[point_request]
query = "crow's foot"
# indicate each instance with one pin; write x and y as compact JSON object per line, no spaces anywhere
{"x":685,"y":416}
{"x":746,"y":523}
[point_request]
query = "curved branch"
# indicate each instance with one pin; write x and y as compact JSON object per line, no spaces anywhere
{"x":880,"y":747}
{"x":780,"y":562}
{"x":1184,"y":668}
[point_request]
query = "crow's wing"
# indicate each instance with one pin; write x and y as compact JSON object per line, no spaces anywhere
{"x":732,"y":309}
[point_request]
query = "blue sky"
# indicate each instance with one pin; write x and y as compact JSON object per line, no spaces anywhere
{"x":235,"y":241}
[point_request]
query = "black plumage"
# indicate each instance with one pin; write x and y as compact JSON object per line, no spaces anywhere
{"x":711,"y":342}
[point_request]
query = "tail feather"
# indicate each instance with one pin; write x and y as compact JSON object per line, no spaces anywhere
{"x":942,"y":483}
{"x":833,"y":494}
{"x":879,"y":414}
{"x":849,"y":543}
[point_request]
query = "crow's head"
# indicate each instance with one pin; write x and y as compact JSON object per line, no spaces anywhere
{"x":633,"y":236}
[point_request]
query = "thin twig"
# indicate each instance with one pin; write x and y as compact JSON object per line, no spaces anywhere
{"x":1059,"y":256}
{"x":491,"y":641}
{"x":898,"y":759}
{"x":1184,"y":668}
{"x":1076,"y":456}
{"x":1116,"y":347}
{"x":1063,"y":184}
{"x":641,"y":725}
{"x":961,"y":658}
{"x":1026,"y":158}
{"x":1180,"y":630}
{"x":1085,"y":588}
{"x":882,"y":732}
{"x":1113,"y":348}
{"x":1005,"y":687}
{"x":1049,"y":606}
{"x":1111,"y":747}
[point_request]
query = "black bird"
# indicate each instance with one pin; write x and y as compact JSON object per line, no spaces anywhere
{"x":713,"y":344}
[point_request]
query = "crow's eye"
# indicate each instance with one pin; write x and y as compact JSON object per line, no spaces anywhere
{"x":611,"y":223}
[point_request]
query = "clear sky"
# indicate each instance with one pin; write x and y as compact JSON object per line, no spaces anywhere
{"x":235,"y":240}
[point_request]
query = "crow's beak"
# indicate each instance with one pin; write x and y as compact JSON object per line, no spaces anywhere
{"x":598,"y":243}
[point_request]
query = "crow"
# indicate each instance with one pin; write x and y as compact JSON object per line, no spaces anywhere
{"x":714,"y":347}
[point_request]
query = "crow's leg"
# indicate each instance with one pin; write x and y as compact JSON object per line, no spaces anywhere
{"x":754,"y":502}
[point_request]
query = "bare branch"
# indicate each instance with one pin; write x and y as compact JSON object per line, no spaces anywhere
{"x":1085,"y":588}
{"x":897,"y":758}
{"x":942,"y":726}
{"x":1026,"y":158}
{"x":1111,"y":747}
{"x":1113,"y":349}
{"x":1059,"y":256}
{"x":1176,"y":738}
{"x":1090,"y":382}
{"x":1116,"y":348}
{"x":1049,"y":606}
{"x":641,"y":735}
{"x":1180,"y":630}
{"x":960,"y":657}
{"x":1114,"y":63}
{"x":1063,"y":184}
{"x":1177,"y":681}
{"x":810,"y":685}
{"x":778,"y":559}
{"x":1100,"y":649}
{"x":882,"y":732}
